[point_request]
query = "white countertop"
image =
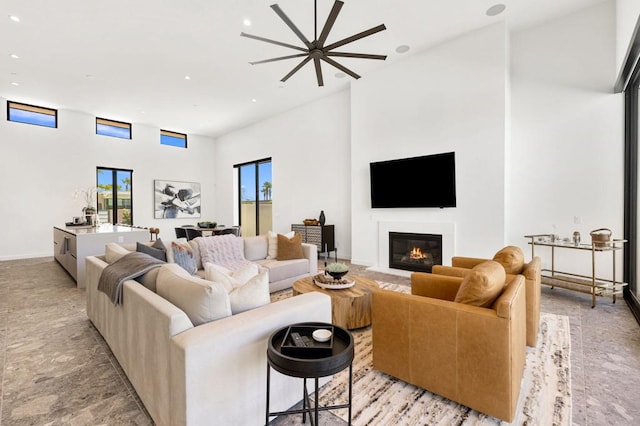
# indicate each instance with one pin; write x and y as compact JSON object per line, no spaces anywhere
{"x":105,"y":228}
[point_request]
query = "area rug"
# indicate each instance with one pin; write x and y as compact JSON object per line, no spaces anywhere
{"x":380,"y":399}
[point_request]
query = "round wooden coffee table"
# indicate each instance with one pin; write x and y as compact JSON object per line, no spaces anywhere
{"x":350,"y":307}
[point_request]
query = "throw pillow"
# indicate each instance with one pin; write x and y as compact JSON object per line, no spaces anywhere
{"x":250,"y":295}
{"x":256,"y":248}
{"x":272,"y":252}
{"x":226,"y":277}
{"x":290,"y":248}
{"x":167,"y":245}
{"x":482,"y":285}
{"x":183,"y":256}
{"x":203,"y":301}
{"x":511,"y":258}
{"x":152,"y":251}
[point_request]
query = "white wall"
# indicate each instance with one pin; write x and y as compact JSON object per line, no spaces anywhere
{"x":42,"y":167}
{"x":309,"y":147}
{"x":567,"y":152}
{"x":627,"y":14}
{"x":448,"y":98}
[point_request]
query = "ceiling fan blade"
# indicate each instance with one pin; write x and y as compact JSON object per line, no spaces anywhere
{"x":279,"y":43}
{"x":291,"y":25}
{"x":357,"y":55}
{"x":340,"y":67}
{"x":333,"y":15}
{"x":316,"y":62}
{"x":281,"y":58}
{"x":355,"y":37}
{"x":295,"y":70}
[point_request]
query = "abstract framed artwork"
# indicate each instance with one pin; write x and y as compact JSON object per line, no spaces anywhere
{"x":176,"y":200}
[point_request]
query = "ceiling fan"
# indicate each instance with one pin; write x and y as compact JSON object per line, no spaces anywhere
{"x":316,"y":49}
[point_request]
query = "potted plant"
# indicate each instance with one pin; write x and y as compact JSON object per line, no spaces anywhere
{"x":337,"y":270}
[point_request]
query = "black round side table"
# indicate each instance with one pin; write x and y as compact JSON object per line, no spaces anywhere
{"x":317,"y":360}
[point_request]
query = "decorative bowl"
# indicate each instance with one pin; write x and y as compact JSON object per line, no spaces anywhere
{"x":206,"y":224}
{"x":321,"y":335}
{"x":338,"y":275}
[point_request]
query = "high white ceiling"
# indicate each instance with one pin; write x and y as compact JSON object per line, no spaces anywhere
{"x":127,"y":59}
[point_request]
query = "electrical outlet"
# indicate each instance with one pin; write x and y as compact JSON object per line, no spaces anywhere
{"x":577,"y":220}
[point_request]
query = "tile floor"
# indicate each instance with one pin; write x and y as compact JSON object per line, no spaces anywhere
{"x":56,"y":369}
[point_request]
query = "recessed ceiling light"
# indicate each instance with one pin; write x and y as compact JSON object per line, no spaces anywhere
{"x":246,"y":22}
{"x":254,"y":100}
{"x":340,"y":75}
{"x":14,"y":18}
{"x":186,"y":77}
{"x":14,"y":56}
{"x":15,"y":83}
{"x":496,"y":9}
{"x":403,"y":48}
{"x":89,"y":76}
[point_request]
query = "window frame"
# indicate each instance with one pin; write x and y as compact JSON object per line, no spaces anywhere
{"x":33,"y":109}
{"x":114,"y":123}
{"x":176,"y":135}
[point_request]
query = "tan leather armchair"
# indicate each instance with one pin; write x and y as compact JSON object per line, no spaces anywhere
{"x":469,"y":354}
{"x":532,"y":274}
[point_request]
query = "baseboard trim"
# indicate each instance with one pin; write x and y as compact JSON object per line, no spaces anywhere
{"x":24,"y":256}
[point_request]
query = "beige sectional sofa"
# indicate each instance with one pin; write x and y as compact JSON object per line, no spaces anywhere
{"x":282,"y":273}
{"x":213,"y":373}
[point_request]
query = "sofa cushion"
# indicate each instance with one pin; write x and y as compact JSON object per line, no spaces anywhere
{"x":230,"y":279}
{"x":252,"y":294}
{"x":256,"y":248}
{"x":160,"y":254}
{"x":289,"y":248}
{"x":511,"y":258}
{"x":183,"y":256}
{"x":113,"y":252}
{"x":149,"y":279}
{"x":282,"y":269}
{"x":273,"y":243}
{"x":482,"y":285}
{"x":203,"y":301}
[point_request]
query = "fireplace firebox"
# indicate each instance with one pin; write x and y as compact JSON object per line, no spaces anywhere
{"x":414,"y":252}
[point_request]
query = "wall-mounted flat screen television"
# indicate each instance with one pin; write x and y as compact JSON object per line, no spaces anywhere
{"x":427,"y":181}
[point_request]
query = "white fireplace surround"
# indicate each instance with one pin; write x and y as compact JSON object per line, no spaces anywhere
{"x":447,"y":230}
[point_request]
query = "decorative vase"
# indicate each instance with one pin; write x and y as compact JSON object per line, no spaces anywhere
{"x":322,"y":219}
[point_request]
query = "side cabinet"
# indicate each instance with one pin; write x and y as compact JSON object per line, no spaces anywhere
{"x":65,"y":251}
{"x":322,"y":237}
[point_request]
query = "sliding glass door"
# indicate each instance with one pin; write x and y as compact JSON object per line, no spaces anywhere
{"x":255,"y":197}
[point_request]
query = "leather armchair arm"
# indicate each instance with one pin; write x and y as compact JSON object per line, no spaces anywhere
{"x":466,"y":262}
{"x":436,"y":286}
{"x":452,"y":271}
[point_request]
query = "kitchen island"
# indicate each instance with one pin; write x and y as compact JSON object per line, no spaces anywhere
{"x":71,"y":244}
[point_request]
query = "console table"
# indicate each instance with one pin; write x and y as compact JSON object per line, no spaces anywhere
{"x":591,"y":284}
{"x":322,"y":236}
{"x":72,"y":244}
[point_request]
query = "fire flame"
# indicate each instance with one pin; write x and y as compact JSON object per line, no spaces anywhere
{"x":416,"y":253}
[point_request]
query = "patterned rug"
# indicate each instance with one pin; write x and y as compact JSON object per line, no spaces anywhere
{"x":380,"y":399}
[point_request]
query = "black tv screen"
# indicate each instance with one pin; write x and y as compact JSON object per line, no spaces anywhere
{"x":427,"y":181}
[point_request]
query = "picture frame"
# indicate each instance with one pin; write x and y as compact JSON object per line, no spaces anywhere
{"x":176,"y":199}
